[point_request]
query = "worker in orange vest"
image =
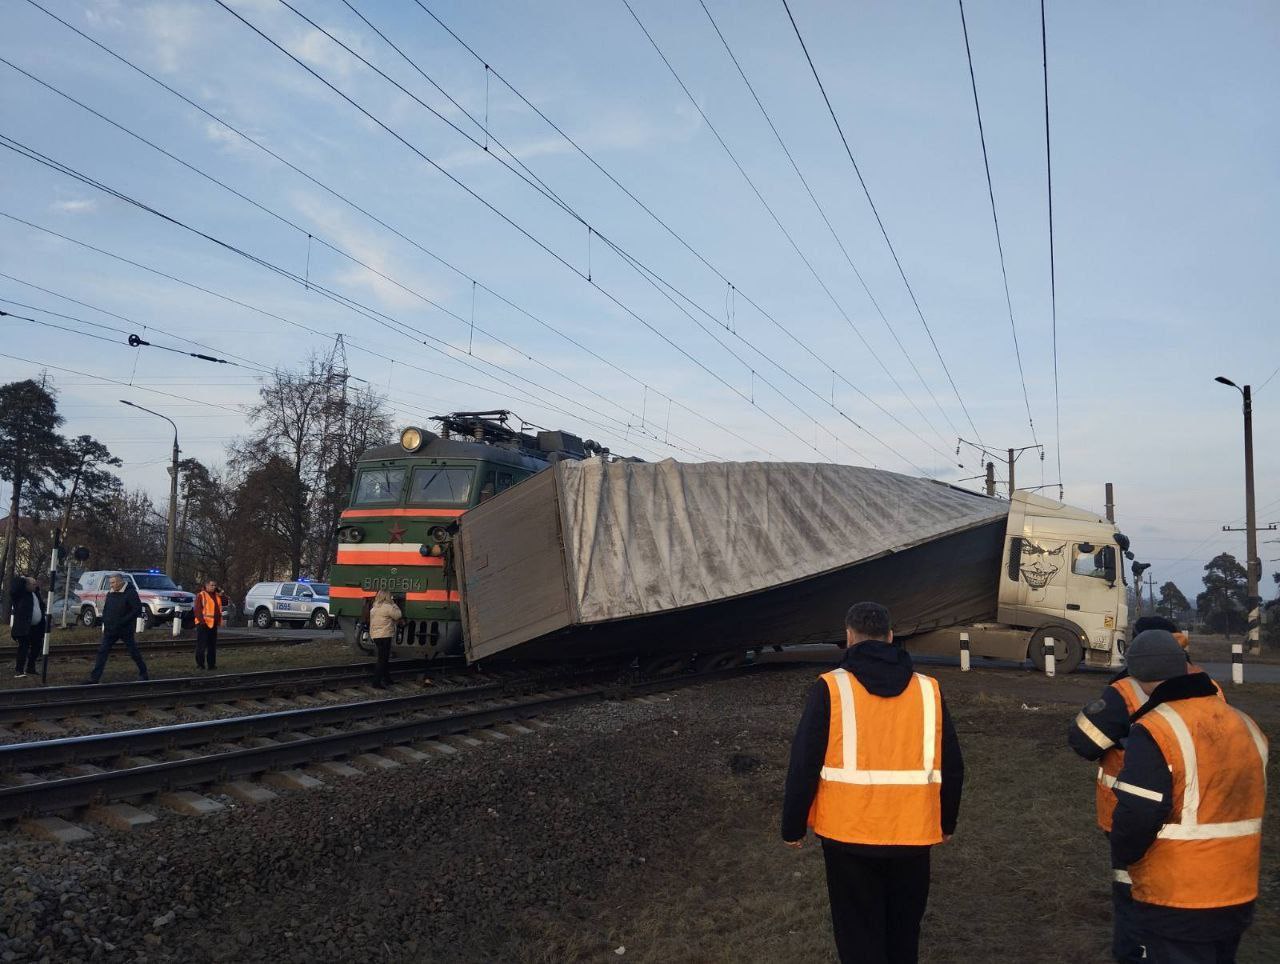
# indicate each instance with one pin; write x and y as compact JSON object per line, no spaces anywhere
{"x":1099,"y":732}
{"x":208,"y":616}
{"x":1187,"y":826}
{"x":876,"y":771}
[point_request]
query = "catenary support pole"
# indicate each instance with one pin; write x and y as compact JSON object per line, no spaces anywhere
{"x":1251,"y":529}
{"x":1111,"y":503}
{"x":991,"y":478}
{"x":1012,"y":484}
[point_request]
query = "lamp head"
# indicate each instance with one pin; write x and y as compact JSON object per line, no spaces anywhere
{"x":1226,"y":381}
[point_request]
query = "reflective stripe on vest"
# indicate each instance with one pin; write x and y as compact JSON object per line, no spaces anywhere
{"x":884,"y":789}
{"x":1112,"y":761}
{"x":1208,"y":853}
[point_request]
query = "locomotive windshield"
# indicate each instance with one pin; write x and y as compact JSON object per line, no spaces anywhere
{"x":379,"y":486}
{"x":441,"y":485}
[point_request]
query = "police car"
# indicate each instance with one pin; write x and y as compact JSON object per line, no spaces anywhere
{"x":299,"y":603}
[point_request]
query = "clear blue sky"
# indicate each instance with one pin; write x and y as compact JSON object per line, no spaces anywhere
{"x":1166,"y":146}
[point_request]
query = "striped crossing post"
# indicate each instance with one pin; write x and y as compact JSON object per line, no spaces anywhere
{"x":964,"y":652}
{"x":1049,"y":657}
{"x":1237,"y":663}
{"x":1255,"y":623}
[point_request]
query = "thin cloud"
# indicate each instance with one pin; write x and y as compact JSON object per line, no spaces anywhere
{"x":76,"y":206}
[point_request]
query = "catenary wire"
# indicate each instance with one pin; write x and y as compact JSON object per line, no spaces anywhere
{"x":246,"y":362}
{"x":646,"y":273}
{"x":879,"y":221}
{"x":804,"y":181}
{"x":1053,"y":274}
{"x":733,"y":288}
{"x":333,"y":247}
{"x":277,"y":317}
{"x":370,"y":313}
{"x":995,"y":220}
{"x":778,"y":221}
{"x":546,"y":248}
{"x":337,"y":195}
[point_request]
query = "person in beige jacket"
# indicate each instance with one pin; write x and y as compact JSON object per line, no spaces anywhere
{"x":384,"y":615}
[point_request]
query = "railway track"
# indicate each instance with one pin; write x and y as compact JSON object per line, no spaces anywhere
{"x":169,"y":645}
{"x":28,"y":704}
{"x":64,"y":776}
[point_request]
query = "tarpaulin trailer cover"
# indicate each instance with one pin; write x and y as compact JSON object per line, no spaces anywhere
{"x":603,"y":558}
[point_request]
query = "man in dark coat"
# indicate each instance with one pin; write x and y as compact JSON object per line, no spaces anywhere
{"x":878,"y":892}
{"x":27,"y":625}
{"x":120,"y":612}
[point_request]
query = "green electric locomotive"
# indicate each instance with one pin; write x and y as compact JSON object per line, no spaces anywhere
{"x":405,"y":502}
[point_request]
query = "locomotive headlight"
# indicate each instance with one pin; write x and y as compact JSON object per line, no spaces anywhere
{"x":439,"y":534}
{"x":411,"y":439}
{"x":350,"y":534}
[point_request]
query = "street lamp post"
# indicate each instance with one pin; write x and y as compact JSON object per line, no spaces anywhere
{"x":1253,"y":564}
{"x":171,"y":541}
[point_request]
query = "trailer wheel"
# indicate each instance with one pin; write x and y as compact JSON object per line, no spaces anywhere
{"x":1067,"y":650}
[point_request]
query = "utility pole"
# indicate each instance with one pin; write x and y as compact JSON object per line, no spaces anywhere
{"x":1011,"y":459}
{"x":1111,"y":503}
{"x":171,"y":542}
{"x":991,"y":478}
{"x":1253,"y":565}
{"x":1151,"y":592}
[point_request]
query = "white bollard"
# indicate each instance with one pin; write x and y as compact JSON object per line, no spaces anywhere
{"x":1049,"y":657}
{"x":964,"y":652}
{"x":1237,"y":663}
{"x":140,"y":625}
{"x":177,"y":626}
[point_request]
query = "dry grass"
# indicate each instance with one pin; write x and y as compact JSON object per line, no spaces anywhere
{"x":1025,"y":879}
{"x":1217,"y":649}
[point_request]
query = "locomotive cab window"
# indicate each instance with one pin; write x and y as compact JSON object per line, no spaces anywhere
{"x":441,"y":485}
{"x":379,"y":486}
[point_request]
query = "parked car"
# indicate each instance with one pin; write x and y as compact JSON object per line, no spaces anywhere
{"x":161,"y":598}
{"x":298,"y":603}
{"x":72,"y":606}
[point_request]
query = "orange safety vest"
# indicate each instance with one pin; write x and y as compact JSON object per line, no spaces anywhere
{"x":885,"y":788}
{"x":1208,"y":852}
{"x":209,"y":609}
{"x":1112,"y":761}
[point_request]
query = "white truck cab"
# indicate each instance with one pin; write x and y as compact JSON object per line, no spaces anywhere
{"x":1061,"y":577}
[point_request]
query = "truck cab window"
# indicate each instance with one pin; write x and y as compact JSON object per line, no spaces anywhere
{"x":1096,"y":561}
{"x":379,"y":486}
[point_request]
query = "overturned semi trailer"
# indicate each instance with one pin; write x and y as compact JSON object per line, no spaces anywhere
{"x":606,"y":559}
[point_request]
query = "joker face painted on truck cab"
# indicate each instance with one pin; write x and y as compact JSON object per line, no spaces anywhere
{"x":1040,"y":563}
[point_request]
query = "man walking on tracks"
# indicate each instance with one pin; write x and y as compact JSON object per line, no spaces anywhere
{"x":120,"y":612}
{"x":208,"y":617}
{"x":1187,"y":827}
{"x":876,"y":771}
{"x":1100,"y":732}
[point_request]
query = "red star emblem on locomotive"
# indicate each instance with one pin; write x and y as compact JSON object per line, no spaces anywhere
{"x":396,"y":533}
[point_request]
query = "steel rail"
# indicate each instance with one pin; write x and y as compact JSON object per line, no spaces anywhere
{"x":133,"y":697}
{"x":171,"y":645}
